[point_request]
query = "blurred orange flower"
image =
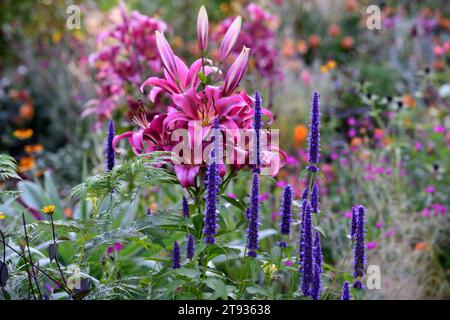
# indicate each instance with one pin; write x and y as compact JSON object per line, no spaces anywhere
{"x":351,"y":5}
{"x":356,"y":141}
{"x":302,"y":46}
{"x":300,"y":134}
{"x":288,"y":48}
{"x":334,"y":30}
{"x":26,"y":163}
{"x":347,"y":42}
{"x":439,"y":65}
{"x":68,"y":213}
{"x":409,"y":101}
{"x":32,"y":148}
{"x":314,"y":41}
{"x":387,"y":141}
{"x":26,"y":111}
{"x":421,"y":246}
{"x":153,"y":206}
{"x":23,"y":134}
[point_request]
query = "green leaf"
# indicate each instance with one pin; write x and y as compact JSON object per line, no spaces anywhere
{"x":188,"y":272}
{"x":218,"y":286}
{"x":321,"y":231}
{"x":258,"y":290}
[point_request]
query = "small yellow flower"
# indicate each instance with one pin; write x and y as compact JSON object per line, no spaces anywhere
{"x":23,"y":134}
{"x":48,"y":209}
{"x":2,"y":215}
{"x":331,"y":64}
{"x":324,"y":69}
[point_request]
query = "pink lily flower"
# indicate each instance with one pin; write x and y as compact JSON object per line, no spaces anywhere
{"x":167,"y":56}
{"x":230,"y":39}
{"x":202,"y":29}
{"x":236,"y":72}
{"x":188,"y":79}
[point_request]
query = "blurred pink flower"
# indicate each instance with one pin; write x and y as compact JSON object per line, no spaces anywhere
{"x":306,"y":78}
{"x":126,"y":52}
{"x":291,"y":161}
{"x":379,"y":224}
{"x":281,"y":184}
{"x":426,"y":212}
{"x":371,"y":245}
{"x":418,"y":146}
{"x":439,"y":129}
{"x":439,"y":208}
{"x":389,"y":233}
{"x":438,"y":51}
{"x":430,"y":189}
{"x":351,"y":121}
{"x":263,"y":197}
{"x":288,"y":263}
{"x":347,"y":215}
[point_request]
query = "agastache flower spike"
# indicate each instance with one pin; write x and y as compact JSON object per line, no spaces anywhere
{"x":252,"y":235}
{"x":230,"y":38}
{"x":307,"y":252}
{"x":317,"y":269}
{"x":167,"y":56}
{"x":257,"y":125}
{"x":109,"y":150}
{"x":305,"y":193}
{"x":359,"y":249}
{"x":286,"y":213}
{"x":236,"y":72}
{"x":176,"y":256}
{"x":185,"y":208}
{"x":315,"y":198}
{"x":354,"y":223}
{"x":346,"y":292}
{"x":314,"y":134}
{"x":190,"y":249}
{"x":202,"y":29}
{"x":212,"y":181}
{"x":301,"y":240}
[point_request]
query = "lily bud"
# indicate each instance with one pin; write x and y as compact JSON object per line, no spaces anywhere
{"x":202,"y":29}
{"x":167,"y":56}
{"x":230,"y":39}
{"x":236,"y":72}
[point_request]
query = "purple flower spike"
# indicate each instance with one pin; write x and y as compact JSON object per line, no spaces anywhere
{"x":354,"y":223}
{"x":286,"y":211}
{"x":109,"y":150}
{"x":317,"y":269}
{"x":185,"y":208}
{"x":283,"y":244}
{"x":307,"y":252}
{"x":176,"y":256}
{"x":212,"y":186}
{"x":257,"y":125}
{"x":314,"y":133}
{"x":252,"y":234}
{"x":301,"y":241}
{"x":346,"y":291}
{"x":359,"y":249}
{"x":190,"y":247}
{"x":305,"y":193}
{"x":315,"y":198}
